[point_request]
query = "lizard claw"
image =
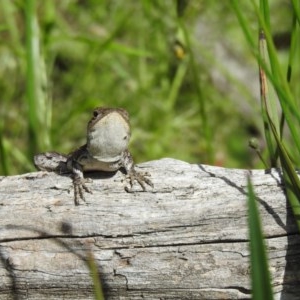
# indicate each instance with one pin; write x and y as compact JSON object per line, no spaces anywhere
{"x":141,"y":178}
{"x":79,"y":184}
{"x":79,"y":189}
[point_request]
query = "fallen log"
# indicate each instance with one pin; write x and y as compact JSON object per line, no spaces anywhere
{"x":187,"y":238}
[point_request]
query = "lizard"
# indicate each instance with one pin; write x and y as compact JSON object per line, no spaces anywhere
{"x":106,"y":149}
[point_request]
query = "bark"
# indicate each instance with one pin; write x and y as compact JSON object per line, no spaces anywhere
{"x":187,"y":238}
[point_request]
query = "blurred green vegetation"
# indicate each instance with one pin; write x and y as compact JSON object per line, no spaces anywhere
{"x":187,"y":78}
{"x":187,"y":72}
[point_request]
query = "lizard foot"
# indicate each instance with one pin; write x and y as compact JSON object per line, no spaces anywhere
{"x":141,"y":178}
{"x":79,"y":184}
{"x":79,"y":188}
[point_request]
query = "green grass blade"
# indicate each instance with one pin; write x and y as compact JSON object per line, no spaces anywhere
{"x":291,"y":179}
{"x":268,"y":102}
{"x":293,"y":197}
{"x":95,"y":277}
{"x":260,"y":276}
{"x":38,"y":112}
{"x":294,"y":58}
{"x":274,"y":74}
{"x":296,"y":9}
{"x":3,"y":154}
{"x":235,"y":4}
{"x":280,"y":83}
{"x":269,"y":99}
{"x":293,"y":49}
{"x":31,"y":49}
{"x":177,"y":83}
{"x":269,"y":96}
{"x":265,"y":12}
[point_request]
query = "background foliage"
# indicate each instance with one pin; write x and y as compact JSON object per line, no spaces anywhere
{"x":187,"y":72}
{"x":186,"y":77}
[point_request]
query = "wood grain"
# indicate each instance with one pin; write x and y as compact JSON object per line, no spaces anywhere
{"x":186,"y":238}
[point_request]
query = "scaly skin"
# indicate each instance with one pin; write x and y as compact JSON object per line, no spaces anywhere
{"x":108,"y":134}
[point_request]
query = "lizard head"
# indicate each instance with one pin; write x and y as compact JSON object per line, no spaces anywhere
{"x":101,"y":112}
{"x":108,"y":133}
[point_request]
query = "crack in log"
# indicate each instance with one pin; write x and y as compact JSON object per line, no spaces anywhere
{"x":240,"y":289}
{"x":46,"y":235}
{"x":116,"y":274}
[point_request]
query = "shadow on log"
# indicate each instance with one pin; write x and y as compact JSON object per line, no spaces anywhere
{"x":187,"y":238}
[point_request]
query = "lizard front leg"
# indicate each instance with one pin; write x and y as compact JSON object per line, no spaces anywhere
{"x":78,"y":182}
{"x":134,"y":175}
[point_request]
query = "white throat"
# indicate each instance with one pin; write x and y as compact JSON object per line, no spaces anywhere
{"x":108,"y":138}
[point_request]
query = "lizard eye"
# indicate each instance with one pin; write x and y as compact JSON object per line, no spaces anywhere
{"x":95,"y":113}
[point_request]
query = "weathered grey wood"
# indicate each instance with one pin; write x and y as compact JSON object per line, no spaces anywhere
{"x":185,"y":239}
